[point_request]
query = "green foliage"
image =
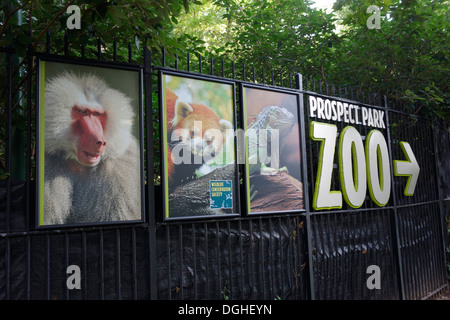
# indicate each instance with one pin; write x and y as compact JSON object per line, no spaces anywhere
{"x":283,"y":36}
{"x":151,"y":20}
{"x":406,"y":59}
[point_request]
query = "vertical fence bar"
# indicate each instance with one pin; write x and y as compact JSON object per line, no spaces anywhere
{"x":396,"y":234}
{"x":311,"y":284}
{"x":188,"y":62}
{"x":205,"y":226}
{"x":251,"y":260}
{"x":47,"y":42}
{"x":150,"y":205}
{"x":66,"y":252}
{"x":115,"y":50}
{"x":133,"y":262}
{"x":194,"y":251}
{"x":261,"y":260}
{"x":332,"y":240}
{"x":168,"y":264}
{"x":241,"y":258}
{"x":230,"y":255}
{"x":426,"y":275}
{"x":441,"y":216}
{"x":84,"y":263}
{"x":180,"y":246}
{"x":29,"y":124}
{"x":8,"y":268}
{"x":130,"y":53}
{"x":410,"y":289}
{"x":270,"y":258}
{"x":280,"y":251}
{"x":102,"y":266}
{"x":163,"y":56}
{"x":211,"y":66}
{"x":28,"y":289}
{"x":118,"y":264}
{"x":8,"y":165}
{"x":99,"y":49}
{"x":47,"y":266}
{"x":66,"y":44}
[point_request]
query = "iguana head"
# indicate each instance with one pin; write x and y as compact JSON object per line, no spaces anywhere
{"x":271,"y":118}
{"x":274,"y":117}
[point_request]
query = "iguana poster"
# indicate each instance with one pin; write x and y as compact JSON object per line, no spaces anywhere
{"x":198,"y":124}
{"x":273,"y":150}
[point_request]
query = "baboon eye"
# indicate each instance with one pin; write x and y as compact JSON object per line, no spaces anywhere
{"x":82,"y":111}
{"x":96,"y":114}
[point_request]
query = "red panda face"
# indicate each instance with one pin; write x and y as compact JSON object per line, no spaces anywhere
{"x":200,"y":127}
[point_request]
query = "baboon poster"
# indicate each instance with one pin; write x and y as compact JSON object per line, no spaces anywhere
{"x":90,"y":150}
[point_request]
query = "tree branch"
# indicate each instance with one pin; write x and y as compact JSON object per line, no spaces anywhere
{"x":9,"y":16}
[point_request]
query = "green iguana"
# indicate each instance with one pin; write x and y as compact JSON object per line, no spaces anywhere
{"x":270,"y":118}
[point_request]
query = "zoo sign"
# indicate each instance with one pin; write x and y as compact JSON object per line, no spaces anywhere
{"x":361,"y":165}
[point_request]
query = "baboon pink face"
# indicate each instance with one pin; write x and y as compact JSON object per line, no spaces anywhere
{"x":88,"y":128}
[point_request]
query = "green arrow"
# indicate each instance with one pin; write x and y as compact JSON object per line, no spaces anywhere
{"x":409,"y":168}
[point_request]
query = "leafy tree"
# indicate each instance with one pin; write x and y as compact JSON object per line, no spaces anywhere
{"x":406,"y":59}
{"x":284,"y":36}
{"x":123,"y":20}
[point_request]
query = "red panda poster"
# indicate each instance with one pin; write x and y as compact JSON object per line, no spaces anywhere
{"x":198,"y":147}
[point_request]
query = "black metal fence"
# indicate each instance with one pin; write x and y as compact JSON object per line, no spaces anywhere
{"x":305,"y":255}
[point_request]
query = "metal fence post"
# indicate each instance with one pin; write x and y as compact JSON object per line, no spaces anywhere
{"x":440,"y":191}
{"x":396,"y":234}
{"x":150,"y":169}
{"x":299,"y":86}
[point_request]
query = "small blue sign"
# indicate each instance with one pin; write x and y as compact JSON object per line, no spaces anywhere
{"x":220,"y":194}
